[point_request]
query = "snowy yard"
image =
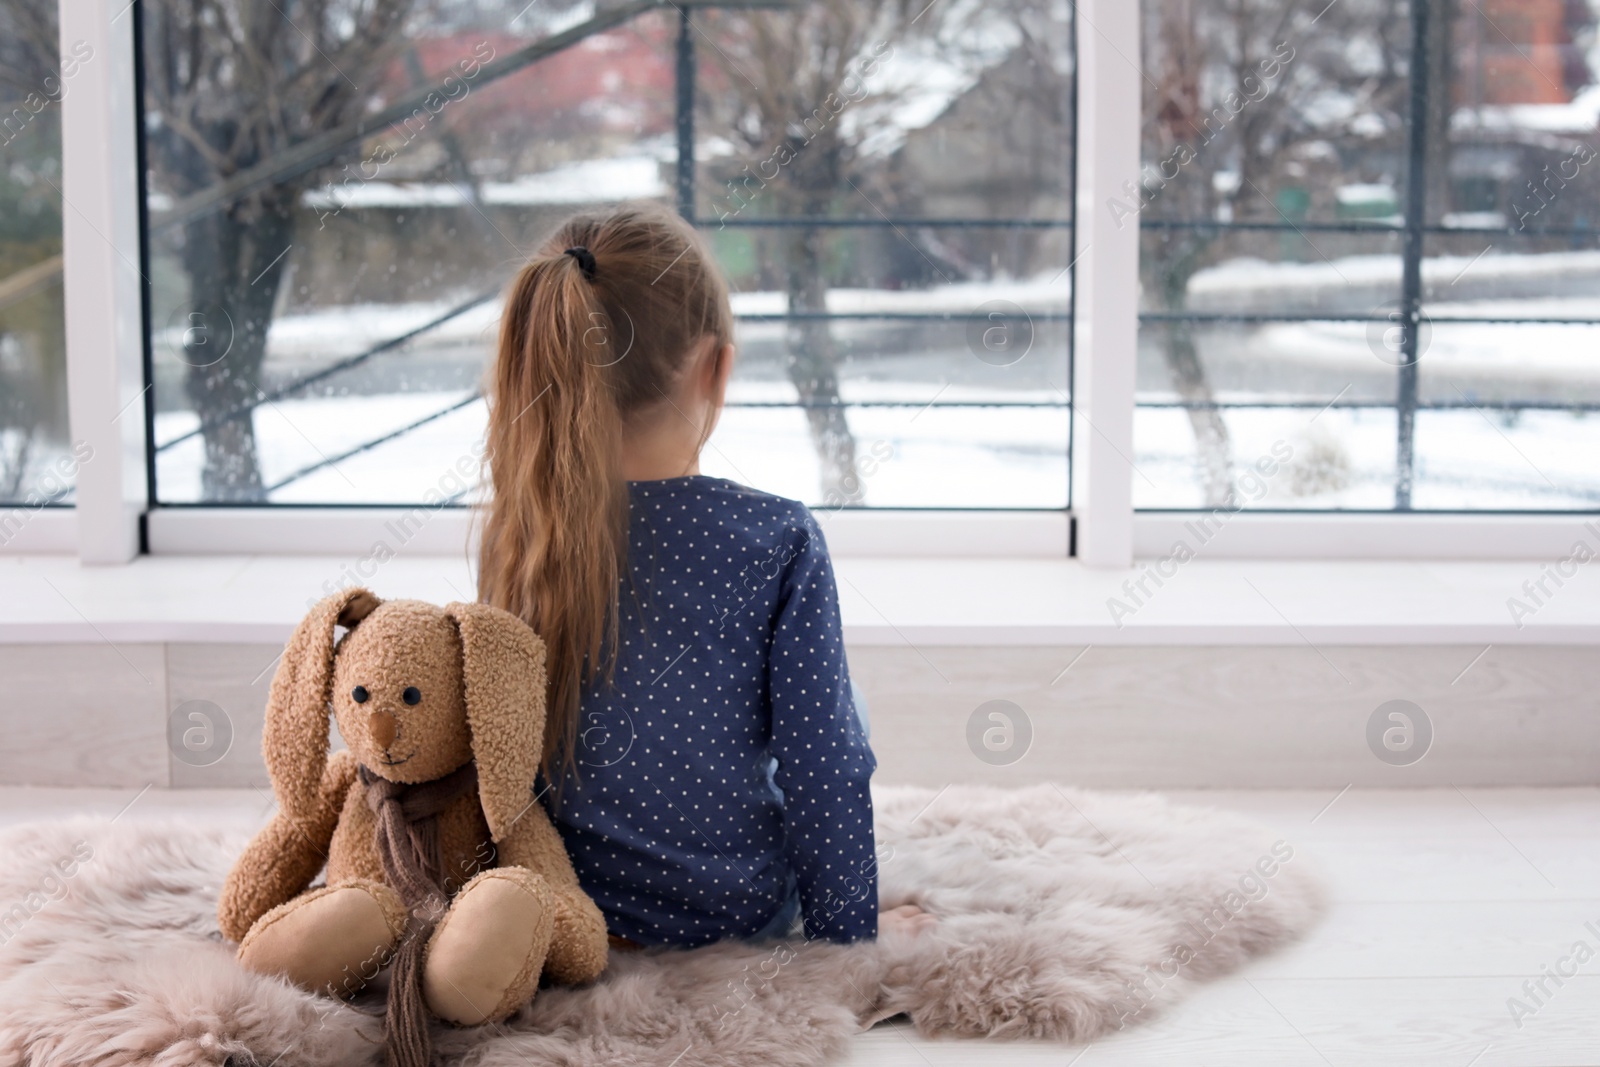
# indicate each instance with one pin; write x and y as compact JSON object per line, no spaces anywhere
{"x":926,"y":453}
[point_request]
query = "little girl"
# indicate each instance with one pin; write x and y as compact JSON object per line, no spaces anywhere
{"x":708,"y":766}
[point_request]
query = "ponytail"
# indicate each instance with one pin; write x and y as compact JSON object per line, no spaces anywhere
{"x":595,"y":328}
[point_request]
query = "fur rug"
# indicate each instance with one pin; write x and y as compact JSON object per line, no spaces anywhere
{"x":1063,"y":915}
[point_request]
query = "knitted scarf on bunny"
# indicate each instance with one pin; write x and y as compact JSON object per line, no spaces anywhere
{"x":408,"y":845}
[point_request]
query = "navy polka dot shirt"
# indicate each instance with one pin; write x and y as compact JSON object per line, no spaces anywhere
{"x":723,"y":771}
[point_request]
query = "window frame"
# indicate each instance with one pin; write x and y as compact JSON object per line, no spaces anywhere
{"x":103,"y":280}
{"x":114,"y":521}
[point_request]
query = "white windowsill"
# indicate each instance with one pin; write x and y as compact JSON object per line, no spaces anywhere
{"x":981,"y":602}
{"x":355,"y":532}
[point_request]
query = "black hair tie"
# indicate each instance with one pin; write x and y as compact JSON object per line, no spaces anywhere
{"x":585,"y":260}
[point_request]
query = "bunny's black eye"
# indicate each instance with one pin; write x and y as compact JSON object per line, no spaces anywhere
{"x":411,"y":695}
{"x":359,"y":694}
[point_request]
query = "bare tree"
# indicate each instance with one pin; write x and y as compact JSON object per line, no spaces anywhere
{"x":790,"y":77}
{"x":1229,"y":84}
{"x":230,"y":84}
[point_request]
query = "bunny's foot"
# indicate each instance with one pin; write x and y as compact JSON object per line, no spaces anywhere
{"x":331,"y":940}
{"x":485,"y":958}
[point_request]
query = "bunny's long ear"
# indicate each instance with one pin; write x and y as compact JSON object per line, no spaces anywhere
{"x":502,"y":669}
{"x":294,"y":740}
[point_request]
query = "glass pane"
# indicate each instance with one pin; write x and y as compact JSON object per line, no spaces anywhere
{"x":913,"y":457}
{"x":901,"y":253}
{"x":873,"y":110}
{"x":1294,"y":458}
{"x":952,"y":398}
{"x":1515,"y":173}
{"x":1517,"y":419}
{"x":1514,"y":458}
{"x":1273,"y":147}
{"x":38,"y":464}
{"x":1264,"y":301}
{"x":320,"y":337}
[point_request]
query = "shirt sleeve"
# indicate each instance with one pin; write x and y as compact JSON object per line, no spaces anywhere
{"x":824,"y":764}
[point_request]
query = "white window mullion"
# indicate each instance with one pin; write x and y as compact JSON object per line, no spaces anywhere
{"x":1107,"y":305}
{"x":100,"y":249}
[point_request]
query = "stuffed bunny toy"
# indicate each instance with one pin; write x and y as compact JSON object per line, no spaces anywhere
{"x":438,"y":854}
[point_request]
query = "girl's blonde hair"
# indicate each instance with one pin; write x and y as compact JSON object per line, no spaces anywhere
{"x":596,"y":327}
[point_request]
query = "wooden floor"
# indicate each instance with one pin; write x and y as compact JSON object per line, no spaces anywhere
{"x":1445,"y":903}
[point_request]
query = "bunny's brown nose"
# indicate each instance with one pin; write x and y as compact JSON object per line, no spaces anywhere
{"x":383,"y":728}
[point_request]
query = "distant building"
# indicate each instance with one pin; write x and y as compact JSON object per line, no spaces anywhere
{"x":1520,"y":51}
{"x":595,"y":96}
{"x":1525,"y":116}
{"x":1001,"y":148}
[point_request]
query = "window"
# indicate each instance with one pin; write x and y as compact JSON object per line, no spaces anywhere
{"x":1369,"y":256}
{"x":334,"y":206}
{"x":38,"y":464}
{"x":1344,"y":258}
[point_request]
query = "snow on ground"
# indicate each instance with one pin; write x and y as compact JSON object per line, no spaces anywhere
{"x":591,"y":181}
{"x":292,"y":435}
{"x":908,"y":457}
{"x":1047,"y":292}
{"x":965,"y":457}
{"x":1552,"y":352}
{"x":919,"y":458}
{"x":1466,"y":460}
{"x":923,"y":456}
{"x":341,"y":331}
{"x":346,"y":330}
{"x":1285,"y":282}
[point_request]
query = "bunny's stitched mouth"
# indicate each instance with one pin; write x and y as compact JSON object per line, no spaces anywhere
{"x":387,"y":762}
